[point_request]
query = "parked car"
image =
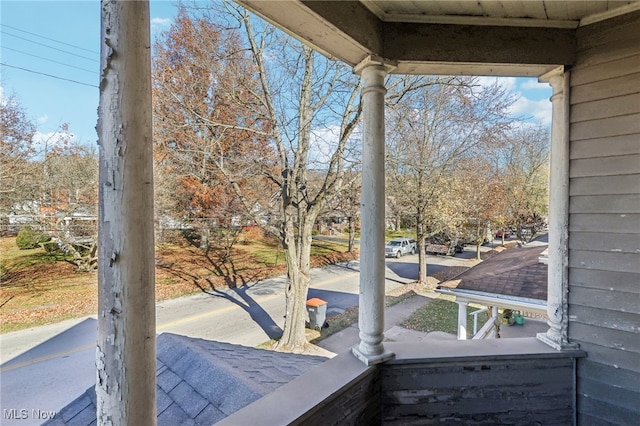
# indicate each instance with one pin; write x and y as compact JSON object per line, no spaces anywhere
{"x":398,"y":247}
{"x":444,"y":249}
{"x":507,"y":234}
{"x":445,"y":244}
{"x":449,"y":248}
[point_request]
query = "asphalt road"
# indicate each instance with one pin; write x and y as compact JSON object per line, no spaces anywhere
{"x":43,"y":369}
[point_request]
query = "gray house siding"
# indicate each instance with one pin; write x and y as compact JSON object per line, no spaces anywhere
{"x":604,"y":220}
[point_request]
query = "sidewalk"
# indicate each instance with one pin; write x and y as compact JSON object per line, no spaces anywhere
{"x":348,"y":338}
{"x":393,"y":316}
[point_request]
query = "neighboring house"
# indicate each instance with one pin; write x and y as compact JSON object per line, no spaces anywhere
{"x":584,"y":370}
{"x":200,"y":382}
{"x":513,"y":279}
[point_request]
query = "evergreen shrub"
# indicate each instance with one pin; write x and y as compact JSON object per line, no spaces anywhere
{"x":28,"y":238}
{"x":51,"y":247}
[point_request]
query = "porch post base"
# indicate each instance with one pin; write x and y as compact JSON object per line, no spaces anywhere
{"x":559,"y":346}
{"x":371,"y":359}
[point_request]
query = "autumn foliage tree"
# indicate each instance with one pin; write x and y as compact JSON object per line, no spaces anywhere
{"x":69,"y":176}
{"x":17,"y":151}
{"x":49,"y":181}
{"x":203,"y":122}
{"x":237,"y":116}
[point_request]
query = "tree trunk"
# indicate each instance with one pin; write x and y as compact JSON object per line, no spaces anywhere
{"x":297,"y":254}
{"x":422,"y":251}
{"x":126,"y":346}
{"x":352,"y":234}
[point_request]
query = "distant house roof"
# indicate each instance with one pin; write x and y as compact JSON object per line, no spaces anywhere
{"x":515,"y":272}
{"x":201,"y":382}
{"x":513,"y":276}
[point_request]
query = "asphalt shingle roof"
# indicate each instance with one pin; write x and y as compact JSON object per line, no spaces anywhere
{"x":515,"y":272}
{"x":200,"y":382}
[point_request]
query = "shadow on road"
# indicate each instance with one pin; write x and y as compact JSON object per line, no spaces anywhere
{"x":235,"y":280}
{"x":406,"y":270}
{"x":409,"y":270}
{"x":248,"y":303}
{"x":81,"y":336}
{"x":334,"y":299}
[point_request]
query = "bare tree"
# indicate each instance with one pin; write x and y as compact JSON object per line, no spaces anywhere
{"x":299,"y":94}
{"x":347,"y":205}
{"x":17,"y":151}
{"x":307,"y":108}
{"x":432,"y":130}
{"x":69,"y":202}
{"x":524,"y":166}
{"x":481,"y":198}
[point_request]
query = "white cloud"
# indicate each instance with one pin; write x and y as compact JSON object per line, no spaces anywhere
{"x":51,"y":140}
{"x":3,"y":99}
{"x":538,"y":110}
{"x":160,"y":24}
{"x":165,"y":22}
{"x":323,"y":143}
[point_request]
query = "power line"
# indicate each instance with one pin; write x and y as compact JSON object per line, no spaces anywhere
{"x":50,"y":60}
{"x":48,"y":75}
{"x":49,"y":38}
{"x":50,"y":47}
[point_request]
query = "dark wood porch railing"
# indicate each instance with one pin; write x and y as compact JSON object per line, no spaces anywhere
{"x":500,"y":381}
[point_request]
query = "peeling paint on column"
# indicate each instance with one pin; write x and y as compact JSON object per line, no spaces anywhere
{"x":125,"y":358}
{"x":558,"y":281}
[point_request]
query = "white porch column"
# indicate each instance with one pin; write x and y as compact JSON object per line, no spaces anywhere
{"x":557,"y":282}
{"x":462,"y":319}
{"x":372,"y":259}
{"x":126,"y":346}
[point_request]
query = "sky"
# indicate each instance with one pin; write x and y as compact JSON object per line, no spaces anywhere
{"x":50,"y":61}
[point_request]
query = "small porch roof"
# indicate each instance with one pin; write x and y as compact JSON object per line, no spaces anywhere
{"x":515,"y":272}
{"x":514,"y":278}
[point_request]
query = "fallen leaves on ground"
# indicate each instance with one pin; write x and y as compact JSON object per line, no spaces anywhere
{"x":39,"y":292}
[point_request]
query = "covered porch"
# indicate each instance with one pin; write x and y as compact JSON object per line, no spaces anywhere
{"x":590,"y":55}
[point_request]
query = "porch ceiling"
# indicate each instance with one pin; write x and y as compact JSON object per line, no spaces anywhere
{"x":486,"y":37}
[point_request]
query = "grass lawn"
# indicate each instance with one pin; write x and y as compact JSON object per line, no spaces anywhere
{"x":441,"y":315}
{"x":437,"y":315}
{"x":37,"y":288}
{"x":445,"y":310}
